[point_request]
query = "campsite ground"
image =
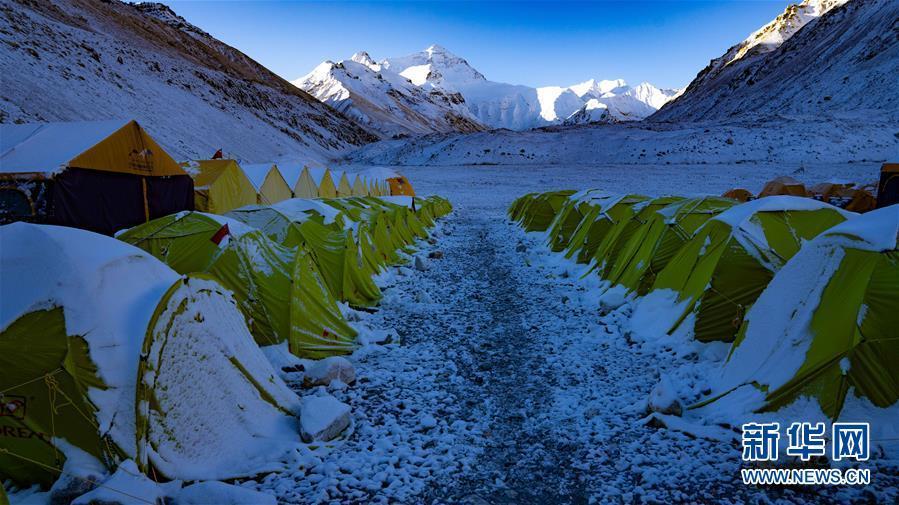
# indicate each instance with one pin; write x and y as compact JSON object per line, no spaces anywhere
{"x":509,"y":386}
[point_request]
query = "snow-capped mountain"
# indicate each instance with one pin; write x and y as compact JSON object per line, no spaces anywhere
{"x":822,"y":58}
{"x":385,"y":101}
{"x":359,"y":91}
{"x":88,"y":60}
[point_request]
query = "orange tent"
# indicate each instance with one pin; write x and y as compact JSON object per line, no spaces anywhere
{"x":739,"y":194}
{"x":862,"y":200}
{"x":824,"y":191}
{"x":784,"y":185}
{"x":400,"y":186}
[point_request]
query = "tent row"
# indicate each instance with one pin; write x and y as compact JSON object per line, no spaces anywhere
{"x":148,"y":346}
{"x":844,"y":194}
{"x":289,"y":264}
{"x":225,"y":184}
{"x":105,"y":176}
{"x":709,"y":261}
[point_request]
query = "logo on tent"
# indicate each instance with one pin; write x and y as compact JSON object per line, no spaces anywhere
{"x":13,"y":406}
{"x":141,"y":160}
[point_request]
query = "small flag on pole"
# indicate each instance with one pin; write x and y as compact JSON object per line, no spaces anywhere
{"x":221,"y":234}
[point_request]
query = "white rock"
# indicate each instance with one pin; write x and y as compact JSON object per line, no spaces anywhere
{"x":322,"y":418}
{"x":323,"y":372}
{"x":420,"y":264}
{"x":663,"y":398}
{"x":224,"y":494}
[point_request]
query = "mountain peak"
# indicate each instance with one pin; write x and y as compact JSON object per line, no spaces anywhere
{"x":436,"y":48}
{"x":363,"y":58}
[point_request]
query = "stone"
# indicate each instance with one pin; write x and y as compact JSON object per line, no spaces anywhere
{"x":324,"y":371}
{"x":420,"y":264}
{"x":436,"y":255}
{"x":323,"y":418}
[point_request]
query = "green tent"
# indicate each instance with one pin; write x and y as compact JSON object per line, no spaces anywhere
{"x":278,"y":288}
{"x":324,"y":232}
{"x":516,"y":210}
{"x":727,"y":263}
{"x":107,"y":353}
{"x":542,"y":209}
{"x":597,"y":234}
{"x":826,"y":326}
{"x":661,"y":234}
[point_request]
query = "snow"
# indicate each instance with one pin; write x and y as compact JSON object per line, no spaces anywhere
{"x":48,"y":147}
{"x":191,"y":92}
{"x":322,"y":418}
{"x":109,"y":291}
{"x":415,"y":93}
{"x":128,"y":487}
{"x":299,"y":208}
{"x":256,"y":172}
{"x":204,"y":493}
{"x":213,"y":419}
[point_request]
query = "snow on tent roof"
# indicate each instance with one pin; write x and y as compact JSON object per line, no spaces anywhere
{"x":119,"y":145}
{"x":737,"y":216}
{"x":48,"y":147}
{"x":318,"y":174}
{"x":297,"y":206}
{"x":781,"y":326}
{"x":109,"y":291}
{"x":257,"y":172}
{"x":291,"y":172}
{"x":379,"y":173}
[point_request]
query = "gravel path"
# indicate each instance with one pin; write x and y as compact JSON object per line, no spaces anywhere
{"x":509,"y":386}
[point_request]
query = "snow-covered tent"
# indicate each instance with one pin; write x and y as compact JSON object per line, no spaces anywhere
{"x":602,"y":212}
{"x":279,"y":289}
{"x":826,"y":325}
{"x":220,"y":185}
{"x":97,"y":175}
{"x":537,"y":212}
{"x":723,"y":268}
{"x":660,"y":236}
{"x":270,"y":185}
{"x":108,"y":354}
{"x":325,"y":233}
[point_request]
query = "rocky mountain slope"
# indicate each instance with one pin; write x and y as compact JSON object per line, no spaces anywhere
{"x":821,"y":58}
{"x":358,"y":87}
{"x":64,"y":60}
{"x":384,"y":101}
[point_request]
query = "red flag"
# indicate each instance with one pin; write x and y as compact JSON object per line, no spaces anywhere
{"x":218,"y":155}
{"x":220,"y":235}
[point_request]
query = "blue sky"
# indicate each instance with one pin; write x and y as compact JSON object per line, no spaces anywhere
{"x":532,"y":43}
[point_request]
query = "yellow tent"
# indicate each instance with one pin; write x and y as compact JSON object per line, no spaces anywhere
{"x":323,"y":181}
{"x":269,"y":183}
{"x":98,"y":175}
{"x":359,"y":187}
{"x":220,"y":186}
{"x":344,"y":188}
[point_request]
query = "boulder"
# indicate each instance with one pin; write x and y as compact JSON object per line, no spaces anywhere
{"x":323,"y":418}
{"x":420,"y":264}
{"x":324,"y":371}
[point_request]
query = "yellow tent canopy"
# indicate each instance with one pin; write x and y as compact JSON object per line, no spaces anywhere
{"x":220,"y":186}
{"x":323,"y":181}
{"x":344,"y":188}
{"x":359,"y":188}
{"x":98,"y":175}
{"x":269,"y":183}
